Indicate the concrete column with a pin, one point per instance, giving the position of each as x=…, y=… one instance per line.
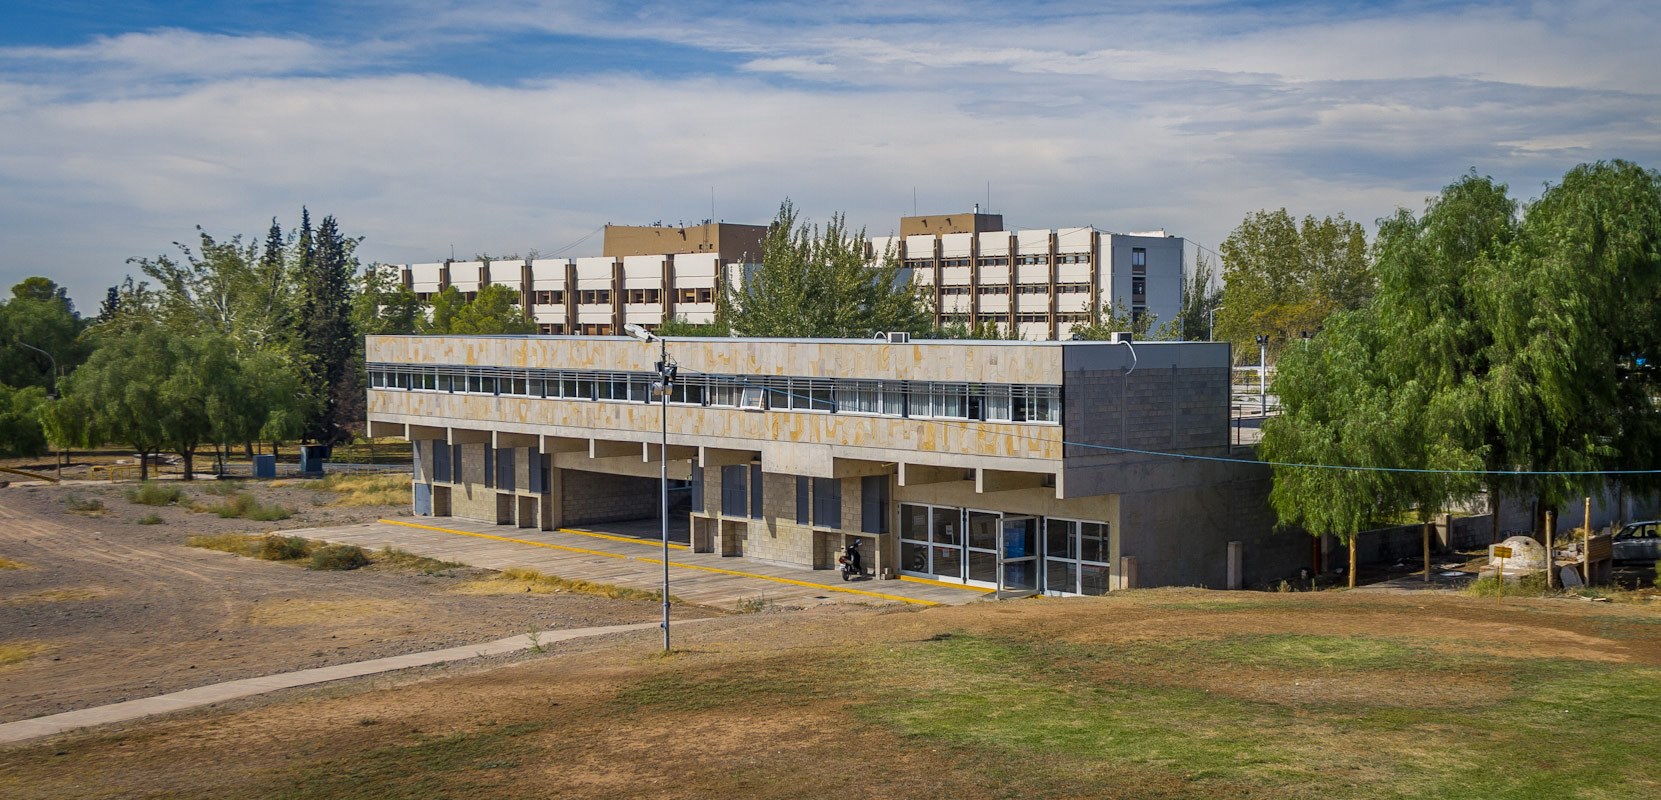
x=1236, y=566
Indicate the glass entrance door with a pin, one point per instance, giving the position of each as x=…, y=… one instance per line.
x=1018, y=570
x=982, y=547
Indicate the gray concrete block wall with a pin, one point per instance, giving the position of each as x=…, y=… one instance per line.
x=594, y=497
x=777, y=537
x=473, y=500
x=423, y=460
x=1179, y=535
x=1164, y=409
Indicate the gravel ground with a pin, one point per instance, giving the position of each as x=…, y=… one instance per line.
x=105, y=609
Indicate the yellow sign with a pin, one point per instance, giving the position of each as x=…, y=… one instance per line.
x=1501, y=551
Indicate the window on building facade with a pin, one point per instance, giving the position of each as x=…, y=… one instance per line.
x=1138, y=286
x=873, y=503
x=703, y=294
x=548, y=297
x=804, y=505
x=643, y=296
x=594, y=297
x=1072, y=258
x=995, y=289
x=1138, y=260
x=735, y=495
x=827, y=503
x=993, y=261
x=919, y=399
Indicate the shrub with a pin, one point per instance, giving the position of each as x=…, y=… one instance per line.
x=239, y=543
x=150, y=493
x=273, y=513
x=83, y=505
x=242, y=505
x=1531, y=585
x=338, y=557
x=150, y=519
x=284, y=548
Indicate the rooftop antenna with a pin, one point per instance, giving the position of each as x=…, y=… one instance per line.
x=914, y=201
x=988, y=197
x=712, y=202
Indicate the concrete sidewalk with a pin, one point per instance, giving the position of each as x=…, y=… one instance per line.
x=595, y=555
x=24, y=730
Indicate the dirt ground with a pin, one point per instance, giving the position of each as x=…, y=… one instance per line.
x=828, y=703
x=108, y=609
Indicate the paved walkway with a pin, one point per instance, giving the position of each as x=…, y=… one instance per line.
x=23, y=730
x=593, y=555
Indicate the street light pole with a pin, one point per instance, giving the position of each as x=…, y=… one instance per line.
x=52, y=394
x=665, y=381
x=664, y=377
x=1263, y=374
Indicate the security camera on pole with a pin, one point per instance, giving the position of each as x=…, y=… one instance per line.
x=665, y=382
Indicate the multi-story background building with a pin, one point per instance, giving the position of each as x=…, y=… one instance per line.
x=1039, y=283
x=647, y=274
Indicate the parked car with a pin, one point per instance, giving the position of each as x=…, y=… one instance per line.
x=1640, y=541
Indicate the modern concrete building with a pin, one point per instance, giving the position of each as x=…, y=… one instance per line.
x=993, y=463
x=1042, y=282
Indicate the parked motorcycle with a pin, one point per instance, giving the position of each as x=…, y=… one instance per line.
x=850, y=561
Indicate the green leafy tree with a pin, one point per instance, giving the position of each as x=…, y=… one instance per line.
x=116, y=396
x=1200, y=299
x=494, y=310
x=38, y=319
x=1118, y=319
x=1284, y=279
x=325, y=337
x=383, y=305
x=815, y=282
x=680, y=327
x=21, y=433
x=1494, y=344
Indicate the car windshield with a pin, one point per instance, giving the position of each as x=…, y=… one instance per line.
x=1639, y=530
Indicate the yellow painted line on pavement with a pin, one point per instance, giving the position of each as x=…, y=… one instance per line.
x=808, y=584
x=946, y=584
x=628, y=539
x=492, y=537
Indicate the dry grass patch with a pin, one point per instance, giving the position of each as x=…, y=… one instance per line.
x=394, y=558
x=512, y=581
x=55, y=596
x=291, y=612
x=18, y=652
x=6, y=563
x=367, y=490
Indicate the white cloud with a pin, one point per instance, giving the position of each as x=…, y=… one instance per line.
x=1128, y=121
x=175, y=53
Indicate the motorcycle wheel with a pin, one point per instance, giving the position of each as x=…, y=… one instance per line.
x=845, y=576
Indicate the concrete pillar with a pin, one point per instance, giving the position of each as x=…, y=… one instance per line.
x=1236, y=566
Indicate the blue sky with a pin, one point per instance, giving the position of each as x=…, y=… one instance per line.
x=503, y=126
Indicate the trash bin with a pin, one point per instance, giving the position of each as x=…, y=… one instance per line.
x=312, y=457
x=265, y=466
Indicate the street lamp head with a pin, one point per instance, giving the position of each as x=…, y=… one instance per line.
x=639, y=332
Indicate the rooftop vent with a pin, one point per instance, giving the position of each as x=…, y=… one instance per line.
x=895, y=337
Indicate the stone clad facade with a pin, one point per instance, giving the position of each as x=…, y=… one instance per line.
x=993, y=463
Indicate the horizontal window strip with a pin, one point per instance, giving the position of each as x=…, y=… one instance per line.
x=953, y=400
